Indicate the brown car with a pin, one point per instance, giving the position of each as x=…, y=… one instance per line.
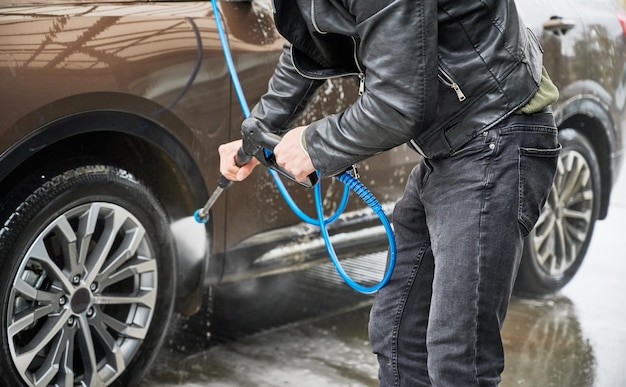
x=110, y=117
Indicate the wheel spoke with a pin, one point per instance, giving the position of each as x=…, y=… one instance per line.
x=543, y=256
x=113, y=351
x=145, y=298
x=87, y=349
x=148, y=266
x=86, y=227
x=575, y=235
x=39, y=253
x=52, y=366
x=544, y=228
x=123, y=328
x=68, y=243
x=67, y=362
x=47, y=303
x=98, y=257
x=573, y=214
x=583, y=197
x=560, y=246
x=29, y=318
x=126, y=251
x=31, y=293
x=576, y=176
x=25, y=355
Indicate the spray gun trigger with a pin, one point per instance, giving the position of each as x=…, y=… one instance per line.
x=259, y=141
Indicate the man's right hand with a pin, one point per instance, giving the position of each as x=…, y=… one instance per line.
x=228, y=167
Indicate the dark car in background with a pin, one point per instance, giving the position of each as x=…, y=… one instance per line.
x=583, y=44
x=110, y=118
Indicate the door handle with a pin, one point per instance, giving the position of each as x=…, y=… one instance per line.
x=558, y=25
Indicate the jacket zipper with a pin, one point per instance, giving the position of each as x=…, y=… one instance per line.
x=361, y=74
x=314, y=21
x=417, y=148
x=447, y=80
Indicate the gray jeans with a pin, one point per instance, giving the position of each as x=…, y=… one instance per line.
x=459, y=228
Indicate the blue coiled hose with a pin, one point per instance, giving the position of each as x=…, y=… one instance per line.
x=350, y=183
x=355, y=185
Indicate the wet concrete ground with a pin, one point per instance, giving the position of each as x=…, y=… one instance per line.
x=310, y=330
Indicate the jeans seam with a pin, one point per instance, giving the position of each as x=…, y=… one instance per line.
x=486, y=187
x=400, y=312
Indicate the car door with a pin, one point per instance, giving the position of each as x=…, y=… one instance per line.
x=561, y=30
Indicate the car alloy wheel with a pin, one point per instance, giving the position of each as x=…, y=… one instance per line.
x=564, y=225
x=89, y=288
x=557, y=245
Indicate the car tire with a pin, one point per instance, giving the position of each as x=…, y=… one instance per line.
x=556, y=247
x=88, y=278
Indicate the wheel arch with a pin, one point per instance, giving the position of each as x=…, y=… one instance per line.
x=137, y=141
x=591, y=118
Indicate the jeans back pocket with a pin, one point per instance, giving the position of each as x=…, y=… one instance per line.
x=537, y=168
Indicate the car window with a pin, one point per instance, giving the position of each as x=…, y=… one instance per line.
x=559, y=27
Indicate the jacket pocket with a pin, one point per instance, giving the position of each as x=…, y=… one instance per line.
x=445, y=78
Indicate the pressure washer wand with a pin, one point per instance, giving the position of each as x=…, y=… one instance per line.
x=202, y=215
x=259, y=142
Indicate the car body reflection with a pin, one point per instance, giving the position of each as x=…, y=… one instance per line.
x=545, y=346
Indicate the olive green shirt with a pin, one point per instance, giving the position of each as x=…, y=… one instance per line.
x=546, y=95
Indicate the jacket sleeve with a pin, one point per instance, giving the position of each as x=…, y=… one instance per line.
x=398, y=49
x=287, y=95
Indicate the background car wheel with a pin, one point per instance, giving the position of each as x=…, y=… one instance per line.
x=88, y=278
x=557, y=245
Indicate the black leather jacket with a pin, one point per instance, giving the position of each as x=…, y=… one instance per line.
x=434, y=74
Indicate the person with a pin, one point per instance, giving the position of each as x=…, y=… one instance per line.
x=462, y=82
